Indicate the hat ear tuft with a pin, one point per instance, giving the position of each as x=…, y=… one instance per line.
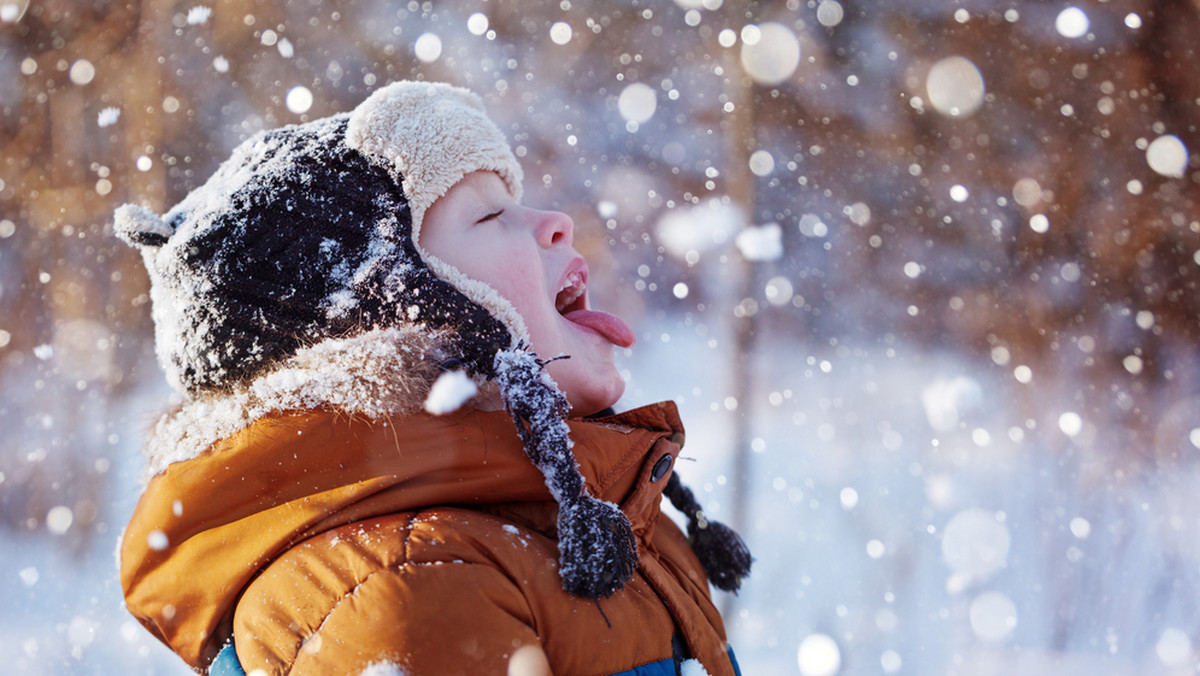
x=139, y=227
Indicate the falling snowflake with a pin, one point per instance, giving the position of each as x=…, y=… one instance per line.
x=198, y=15
x=108, y=116
x=762, y=243
x=450, y=392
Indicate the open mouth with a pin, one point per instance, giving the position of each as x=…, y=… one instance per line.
x=571, y=301
x=573, y=294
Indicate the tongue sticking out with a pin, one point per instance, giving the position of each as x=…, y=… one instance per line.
x=612, y=327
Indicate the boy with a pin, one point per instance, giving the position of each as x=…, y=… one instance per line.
x=374, y=339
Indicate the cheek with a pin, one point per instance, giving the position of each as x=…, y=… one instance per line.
x=520, y=283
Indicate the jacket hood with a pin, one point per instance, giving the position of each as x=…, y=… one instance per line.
x=327, y=439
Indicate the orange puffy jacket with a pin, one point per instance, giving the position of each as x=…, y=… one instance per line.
x=326, y=543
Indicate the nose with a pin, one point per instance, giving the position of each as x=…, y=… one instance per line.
x=553, y=228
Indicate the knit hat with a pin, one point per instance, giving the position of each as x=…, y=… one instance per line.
x=311, y=231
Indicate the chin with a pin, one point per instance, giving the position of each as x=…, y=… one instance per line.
x=592, y=395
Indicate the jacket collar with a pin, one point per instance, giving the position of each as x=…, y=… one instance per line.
x=377, y=374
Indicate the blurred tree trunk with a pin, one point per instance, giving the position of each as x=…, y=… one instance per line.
x=740, y=137
x=67, y=175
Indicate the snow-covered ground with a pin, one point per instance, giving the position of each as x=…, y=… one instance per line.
x=63, y=610
x=921, y=513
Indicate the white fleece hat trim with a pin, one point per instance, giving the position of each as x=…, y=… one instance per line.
x=433, y=134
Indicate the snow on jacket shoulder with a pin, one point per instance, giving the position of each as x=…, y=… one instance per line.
x=324, y=541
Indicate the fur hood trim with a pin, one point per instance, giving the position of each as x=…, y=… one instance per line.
x=431, y=135
x=377, y=374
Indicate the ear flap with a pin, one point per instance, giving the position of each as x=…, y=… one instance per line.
x=139, y=227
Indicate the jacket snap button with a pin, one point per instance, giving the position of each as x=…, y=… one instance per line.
x=660, y=468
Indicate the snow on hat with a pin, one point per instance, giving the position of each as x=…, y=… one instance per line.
x=311, y=231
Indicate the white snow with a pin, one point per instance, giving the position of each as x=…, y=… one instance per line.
x=762, y=163
x=449, y=392
x=830, y=13
x=59, y=519
x=108, y=117
x=691, y=231
x=637, y=103
x=428, y=47
x=955, y=86
x=29, y=576
x=818, y=655
x=1168, y=156
x=383, y=669
x=975, y=543
x=1070, y=423
x=849, y=498
x=81, y=631
x=198, y=15
x=878, y=454
x=82, y=72
x=1039, y=223
x=340, y=303
x=1072, y=22
x=770, y=52
x=779, y=291
x=890, y=661
x=560, y=32
x=1027, y=192
x=1174, y=648
x=993, y=616
x=11, y=12
x=157, y=540
x=299, y=99
x=811, y=225
x=761, y=243
x=477, y=23
x=1080, y=527
x=947, y=401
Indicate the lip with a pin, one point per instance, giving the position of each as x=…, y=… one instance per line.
x=577, y=265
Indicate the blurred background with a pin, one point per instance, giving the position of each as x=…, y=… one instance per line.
x=921, y=274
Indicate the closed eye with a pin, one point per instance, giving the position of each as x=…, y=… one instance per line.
x=489, y=217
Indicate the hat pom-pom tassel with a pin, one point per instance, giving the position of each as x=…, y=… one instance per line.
x=597, y=548
x=722, y=552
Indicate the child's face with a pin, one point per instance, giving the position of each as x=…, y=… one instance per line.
x=526, y=255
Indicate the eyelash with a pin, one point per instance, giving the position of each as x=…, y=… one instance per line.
x=490, y=216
